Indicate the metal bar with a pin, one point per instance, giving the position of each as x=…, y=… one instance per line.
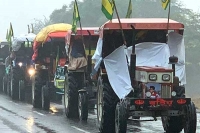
x=120, y=24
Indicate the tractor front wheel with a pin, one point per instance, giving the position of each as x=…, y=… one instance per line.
x=190, y=118
x=14, y=84
x=45, y=98
x=172, y=124
x=121, y=117
x=36, y=92
x=83, y=106
x=4, y=84
x=21, y=90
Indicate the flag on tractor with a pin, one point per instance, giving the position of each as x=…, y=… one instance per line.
x=129, y=11
x=7, y=36
x=76, y=18
x=165, y=4
x=11, y=34
x=107, y=8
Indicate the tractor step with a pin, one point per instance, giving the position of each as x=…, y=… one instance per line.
x=60, y=93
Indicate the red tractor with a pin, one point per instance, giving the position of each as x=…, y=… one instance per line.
x=142, y=73
x=50, y=59
x=80, y=90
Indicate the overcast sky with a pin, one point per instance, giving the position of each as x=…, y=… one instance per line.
x=22, y=12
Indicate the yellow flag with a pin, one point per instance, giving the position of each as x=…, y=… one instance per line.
x=11, y=31
x=165, y=3
x=107, y=8
x=129, y=11
x=7, y=36
x=76, y=18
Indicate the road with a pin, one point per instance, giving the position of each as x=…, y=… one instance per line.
x=19, y=117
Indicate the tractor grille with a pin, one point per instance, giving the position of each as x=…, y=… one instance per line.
x=165, y=91
x=60, y=83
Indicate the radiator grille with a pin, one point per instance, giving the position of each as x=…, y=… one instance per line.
x=165, y=91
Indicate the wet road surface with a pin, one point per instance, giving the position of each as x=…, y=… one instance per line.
x=19, y=117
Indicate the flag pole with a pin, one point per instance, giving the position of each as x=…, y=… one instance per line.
x=120, y=24
x=168, y=16
x=79, y=18
x=80, y=24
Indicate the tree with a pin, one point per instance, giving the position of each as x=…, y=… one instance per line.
x=39, y=24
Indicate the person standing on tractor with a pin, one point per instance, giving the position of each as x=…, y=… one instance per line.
x=8, y=60
x=77, y=58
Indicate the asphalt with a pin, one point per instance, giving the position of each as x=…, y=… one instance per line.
x=20, y=117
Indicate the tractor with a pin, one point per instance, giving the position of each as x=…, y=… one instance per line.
x=80, y=89
x=142, y=73
x=50, y=63
x=20, y=68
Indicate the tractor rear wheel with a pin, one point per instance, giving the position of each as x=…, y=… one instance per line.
x=70, y=96
x=106, y=104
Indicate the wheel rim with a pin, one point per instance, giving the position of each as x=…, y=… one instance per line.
x=79, y=106
x=66, y=92
x=99, y=101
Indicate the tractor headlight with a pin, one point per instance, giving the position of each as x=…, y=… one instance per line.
x=31, y=71
x=20, y=64
x=153, y=77
x=165, y=77
x=148, y=94
x=173, y=93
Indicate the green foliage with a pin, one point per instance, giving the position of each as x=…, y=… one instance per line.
x=39, y=24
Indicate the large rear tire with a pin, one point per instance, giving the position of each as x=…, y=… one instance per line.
x=106, y=104
x=83, y=106
x=45, y=95
x=71, y=96
x=190, y=118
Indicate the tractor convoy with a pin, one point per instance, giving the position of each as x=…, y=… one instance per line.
x=125, y=70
